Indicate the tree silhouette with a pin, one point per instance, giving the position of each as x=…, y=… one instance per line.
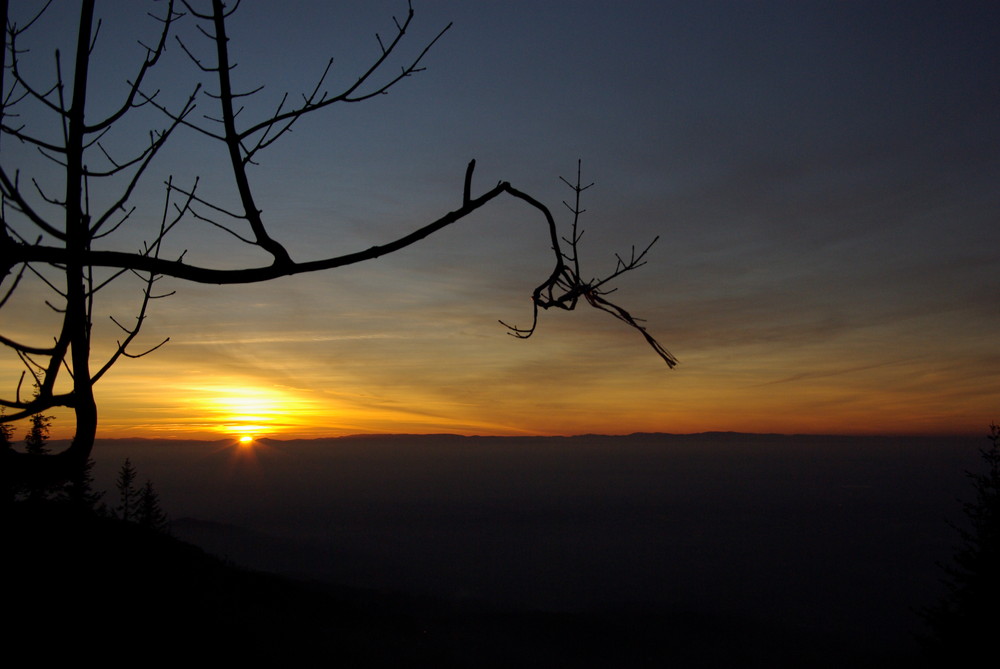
x=59, y=231
x=79, y=491
x=35, y=444
x=149, y=513
x=38, y=434
x=127, y=493
x=7, y=485
x=963, y=625
x=6, y=434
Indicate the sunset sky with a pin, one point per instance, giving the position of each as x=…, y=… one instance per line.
x=823, y=177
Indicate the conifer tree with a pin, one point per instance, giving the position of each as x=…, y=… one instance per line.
x=79, y=491
x=6, y=434
x=7, y=487
x=35, y=443
x=38, y=434
x=127, y=494
x=963, y=625
x=148, y=512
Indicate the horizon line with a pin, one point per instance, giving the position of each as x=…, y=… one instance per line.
x=404, y=435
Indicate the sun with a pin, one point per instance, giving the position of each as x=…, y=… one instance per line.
x=245, y=411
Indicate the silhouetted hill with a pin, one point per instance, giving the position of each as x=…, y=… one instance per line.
x=82, y=586
x=107, y=586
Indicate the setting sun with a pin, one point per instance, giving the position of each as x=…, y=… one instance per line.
x=246, y=411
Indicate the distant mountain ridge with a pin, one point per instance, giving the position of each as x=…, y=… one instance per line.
x=711, y=434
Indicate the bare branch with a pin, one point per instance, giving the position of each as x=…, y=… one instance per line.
x=561, y=290
x=311, y=103
x=181, y=270
x=152, y=56
x=146, y=158
x=66, y=252
x=232, y=141
x=41, y=276
x=147, y=295
x=564, y=287
x=32, y=91
x=195, y=59
x=11, y=191
x=19, y=134
x=597, y=301
x=24, y=348
x=13, y=286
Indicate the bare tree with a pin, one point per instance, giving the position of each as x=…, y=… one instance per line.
x=58, y=234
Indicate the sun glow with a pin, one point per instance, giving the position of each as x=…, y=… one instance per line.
x=247, y=412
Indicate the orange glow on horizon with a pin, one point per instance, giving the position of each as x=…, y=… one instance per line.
x=230, y=406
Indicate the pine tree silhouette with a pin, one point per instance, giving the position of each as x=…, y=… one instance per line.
x=79, y=491
x=7, y=487
x=963, y=625
x=6, y=435
x=127, y=494
x=35, y=443
x=148, y=512
x=38, y=434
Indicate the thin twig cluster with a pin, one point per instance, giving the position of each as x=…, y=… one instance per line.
x=564, y=287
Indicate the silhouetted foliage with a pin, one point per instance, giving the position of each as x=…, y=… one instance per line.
x=138, y=505
x=79, y=491
x=37, y=488
x=57, y=222
x=6, y=434
x=38, y=434
x=963, y=626
x=127, y=493
x=7, y=485
x=149, y=514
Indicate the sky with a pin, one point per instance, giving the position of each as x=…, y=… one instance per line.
x=822, y=177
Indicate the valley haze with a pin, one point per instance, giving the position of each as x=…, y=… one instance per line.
x=827, y=535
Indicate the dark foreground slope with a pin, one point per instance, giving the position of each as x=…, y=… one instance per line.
x=78, y=586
